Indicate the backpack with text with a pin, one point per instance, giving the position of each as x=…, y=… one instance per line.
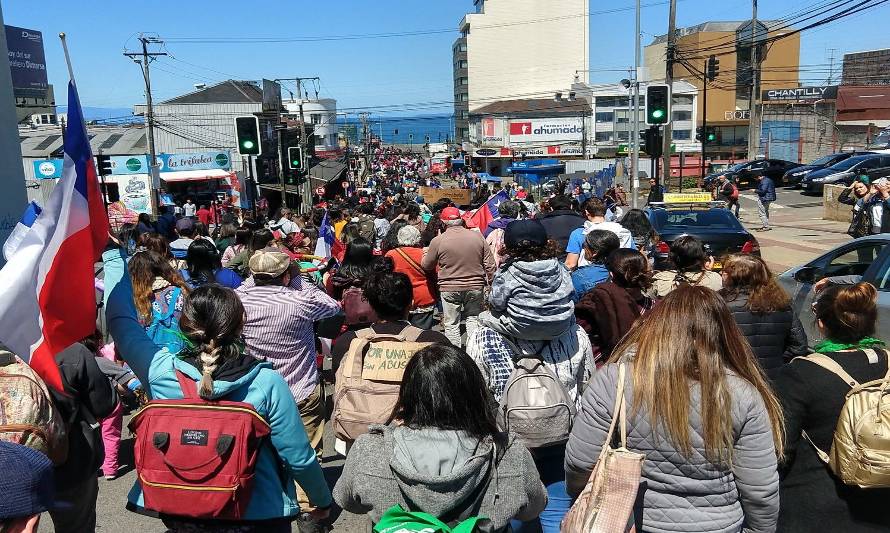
x=28, y=415
x=356, y=307
x=860, y=447
x=368, y=379
x=197, y=458
x=535, y=404
x=164, y=329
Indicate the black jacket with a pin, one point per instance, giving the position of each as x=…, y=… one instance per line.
x=812, y=498
x=656, y=194
x=89, y=398
x=559, y=225
x=776, y=337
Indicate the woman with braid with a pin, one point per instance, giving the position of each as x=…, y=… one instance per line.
x=214, y=357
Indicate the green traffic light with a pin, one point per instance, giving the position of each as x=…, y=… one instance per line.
x=295, y=162
x=658, y=113
x=247, y=145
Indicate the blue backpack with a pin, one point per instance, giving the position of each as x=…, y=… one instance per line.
x=164, y=329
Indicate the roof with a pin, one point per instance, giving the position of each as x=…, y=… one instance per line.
x=863, y=103
x=110, y=141
x=327, y=170
x=226, y=92
x=718, y=26
x=534, y=105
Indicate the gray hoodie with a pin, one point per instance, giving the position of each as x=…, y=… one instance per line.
x=440, y=472
x=531, y=300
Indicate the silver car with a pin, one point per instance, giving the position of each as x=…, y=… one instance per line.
x=868, y=257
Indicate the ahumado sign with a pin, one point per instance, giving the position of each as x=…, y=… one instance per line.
x=546, y=130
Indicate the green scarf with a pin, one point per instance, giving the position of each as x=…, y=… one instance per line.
x=830, y=346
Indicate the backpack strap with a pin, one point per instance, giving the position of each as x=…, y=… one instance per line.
x=410, y=261
x=412, y=333
x=188, y=387
x=832, y=366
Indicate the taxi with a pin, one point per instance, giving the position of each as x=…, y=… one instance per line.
x=698, y=215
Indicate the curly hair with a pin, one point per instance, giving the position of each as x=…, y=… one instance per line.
x=527, y=253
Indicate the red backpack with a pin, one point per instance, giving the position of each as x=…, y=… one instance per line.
x=196, y=458
x=735, y=192
x=356, y=307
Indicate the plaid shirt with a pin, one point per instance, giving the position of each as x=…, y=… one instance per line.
x=279, y=329
x=569, y=356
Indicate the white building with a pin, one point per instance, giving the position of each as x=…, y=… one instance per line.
x=322, y=114
x=517, y=49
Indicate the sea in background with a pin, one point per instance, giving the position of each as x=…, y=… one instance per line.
x=400, y=129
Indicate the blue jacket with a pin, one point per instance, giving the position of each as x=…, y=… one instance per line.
x=766, y=190
x=289, y=451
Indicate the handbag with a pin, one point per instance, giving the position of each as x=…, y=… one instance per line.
x=860, y=226
x=606, y=505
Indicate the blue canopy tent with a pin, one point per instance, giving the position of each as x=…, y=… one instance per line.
x=486, y=177
x=537, y=171
x=457, y=162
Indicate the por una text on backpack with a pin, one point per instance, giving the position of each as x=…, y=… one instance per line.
x=28, y=415
x=164, y=329
x=535, y=404
x=356, y=307
x=369, y=377
x=196, y=458
x=860, y=448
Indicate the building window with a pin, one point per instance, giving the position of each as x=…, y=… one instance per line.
x=681, y=135
x=603, y=136
x=612, y=101
x=315, y=119
x=463, y=81
x=681, y=115
x=622, y=135
x=682, y=99
x=461, y=64
x=605, y=117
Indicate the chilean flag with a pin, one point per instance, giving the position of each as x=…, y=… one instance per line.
x=328, y=245
x=47, y=295
x=486, y=212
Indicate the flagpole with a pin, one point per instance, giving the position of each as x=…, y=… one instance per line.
x=67, y=57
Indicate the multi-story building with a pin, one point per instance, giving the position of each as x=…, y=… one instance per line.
x=867, y=68
x=729, y=95
x=322, y=114
x=517, y=49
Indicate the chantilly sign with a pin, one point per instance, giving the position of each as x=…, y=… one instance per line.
x=801, y=94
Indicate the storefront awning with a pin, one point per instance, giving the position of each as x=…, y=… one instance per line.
x=196, y=175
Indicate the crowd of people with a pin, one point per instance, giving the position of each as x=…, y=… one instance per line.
x=473, y=373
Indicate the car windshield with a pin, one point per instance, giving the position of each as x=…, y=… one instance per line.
x=824, y=160
x=846, y=164
x=682, y=219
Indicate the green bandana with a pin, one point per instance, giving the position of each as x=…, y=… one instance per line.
x=831, y=346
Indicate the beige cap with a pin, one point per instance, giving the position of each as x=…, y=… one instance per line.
x=269, y=262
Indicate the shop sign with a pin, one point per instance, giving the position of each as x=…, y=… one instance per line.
x=740, y=114
x=485, y=152
x=554, y=129
x=47, y=169
x=801, y=94
x=195, y=161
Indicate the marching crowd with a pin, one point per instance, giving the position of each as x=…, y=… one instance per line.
x=494, y=376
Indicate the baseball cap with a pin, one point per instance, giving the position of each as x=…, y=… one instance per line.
x=450, y=213
x=269, y=262
x=525, y=231
x=27, y=481
x=185, y=224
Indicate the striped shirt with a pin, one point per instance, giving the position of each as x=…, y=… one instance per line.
x=279, y=329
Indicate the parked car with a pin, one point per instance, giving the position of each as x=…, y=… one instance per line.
x=745, y=174
x=843, y=173
x=719, y=230
x=792, y=177
x=868, y=257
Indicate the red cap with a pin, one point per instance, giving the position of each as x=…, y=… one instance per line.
x=450, y=213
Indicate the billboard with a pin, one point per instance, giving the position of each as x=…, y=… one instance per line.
x=195, y=161
x=801, y=94
x=546, y=130
x=27, y=63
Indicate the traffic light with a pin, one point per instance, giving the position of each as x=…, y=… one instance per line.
x=652, y=142
x=658, y=104
x=698, y=133
x=712, y=134
x=709, y=134
x=295, y=158
x=247, y=133
x=713, y=67
x=104, y=165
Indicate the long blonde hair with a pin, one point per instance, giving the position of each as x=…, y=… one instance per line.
x=690, y=336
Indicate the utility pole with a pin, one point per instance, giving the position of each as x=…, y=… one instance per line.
x=669, y=80
x=305, y=189
x=704, y=122
x=366, y=140
x=635, y=135
x=753, y=121
x=147, y=58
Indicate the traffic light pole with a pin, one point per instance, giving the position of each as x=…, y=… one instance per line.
x=668, y=79
x=635, y=137
x=704, y=126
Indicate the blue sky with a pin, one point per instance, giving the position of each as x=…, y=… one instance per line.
x=360, y=72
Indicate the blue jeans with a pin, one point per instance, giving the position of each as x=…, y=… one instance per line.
x=552, y=471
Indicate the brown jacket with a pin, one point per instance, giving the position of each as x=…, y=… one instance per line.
x=463, y=257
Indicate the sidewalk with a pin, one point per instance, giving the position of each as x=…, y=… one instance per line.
x=798, y=236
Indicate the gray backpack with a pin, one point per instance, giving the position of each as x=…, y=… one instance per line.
x=535, y=405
